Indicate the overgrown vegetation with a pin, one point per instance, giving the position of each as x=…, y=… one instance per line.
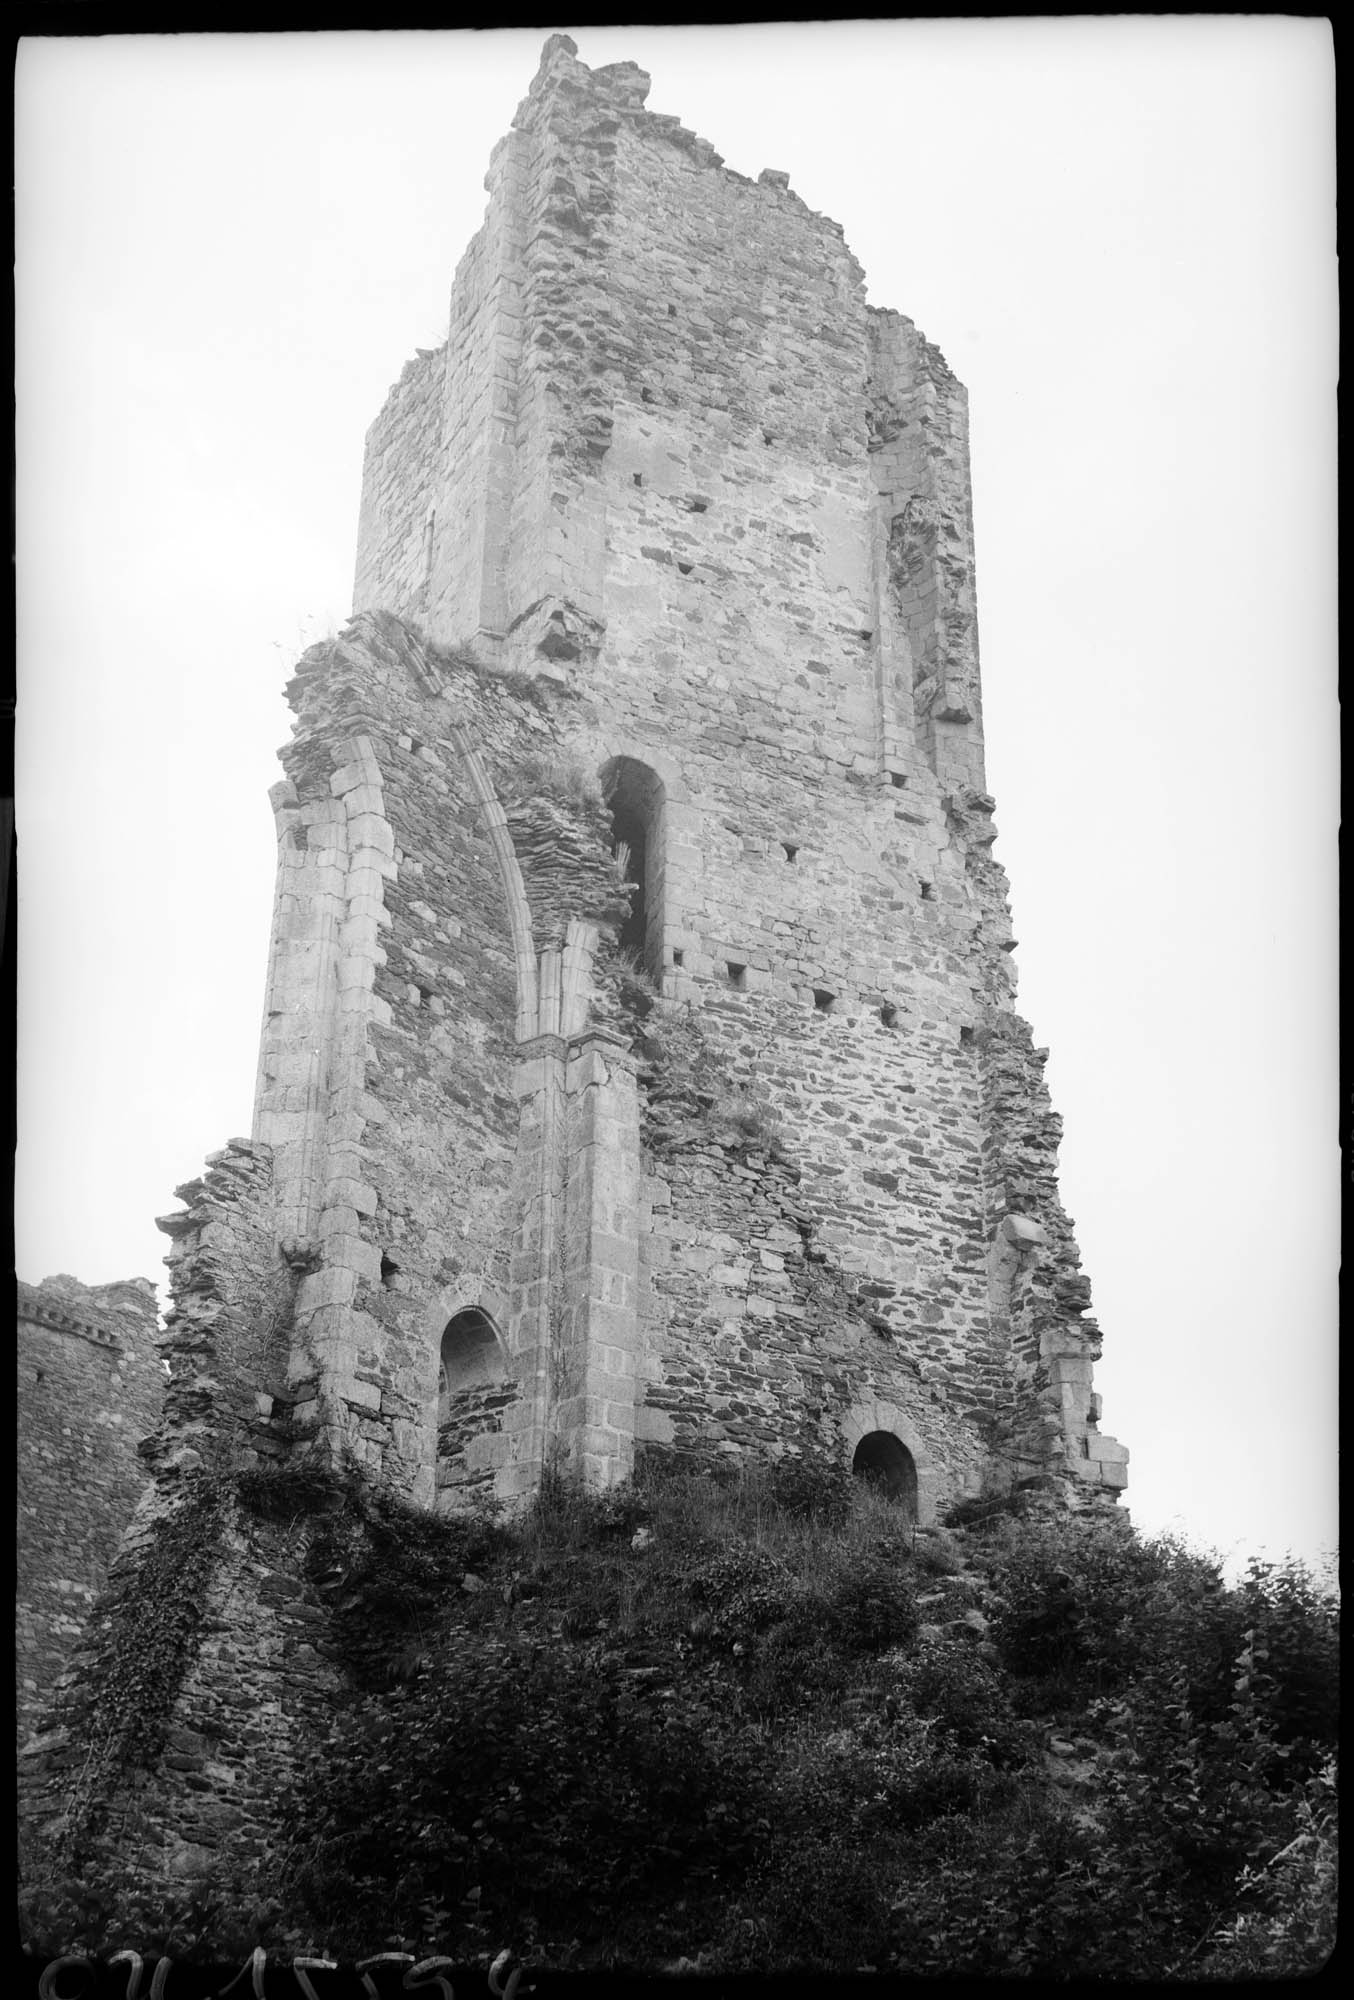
x=712, y=1721
x=558, y=775
x=147, y=1633
x=757, y=1722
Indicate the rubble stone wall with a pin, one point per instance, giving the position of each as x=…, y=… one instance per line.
x=740, y=534
x=90, y=1383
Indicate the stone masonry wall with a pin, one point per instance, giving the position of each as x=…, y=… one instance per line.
x=171, y=1731
x=740, y=534
x=437, y=853
x=90, y=1386
x=396, y=532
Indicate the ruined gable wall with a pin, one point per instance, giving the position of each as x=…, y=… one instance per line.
x=90, y=1386
x=407, y=958
x=412, y=1129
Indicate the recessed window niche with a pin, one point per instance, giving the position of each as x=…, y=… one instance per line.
x=635, y=796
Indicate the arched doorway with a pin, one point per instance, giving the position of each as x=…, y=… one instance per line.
x=471, y=1357
x=475, y=1388
x=885, y=1462
x=635, y=796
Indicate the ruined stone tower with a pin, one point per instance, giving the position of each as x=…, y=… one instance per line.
x=674, y=514
x=639, y=1071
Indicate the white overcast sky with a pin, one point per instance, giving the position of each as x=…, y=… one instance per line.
x=1120, y=231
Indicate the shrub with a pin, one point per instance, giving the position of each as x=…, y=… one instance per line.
x=796, y=1665
x=822, y=1904
x=1084, y=1601
x=535, y=1775
x=872, y=1604
x=739, y=1592
x=1296, y=1648
x=946, y=1682
x=812, y=1489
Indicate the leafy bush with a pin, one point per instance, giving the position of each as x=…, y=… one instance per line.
x=967, y=1701
x=812, y=1489
x=517, y=1776
x=796, y=1665
x=725, y=1740
x=872, y=1603
x=821, y=1903
x=740, y=1591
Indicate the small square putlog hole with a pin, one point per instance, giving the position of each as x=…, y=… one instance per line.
x=738, y=974
x=888, y=1014
x=823, y=1000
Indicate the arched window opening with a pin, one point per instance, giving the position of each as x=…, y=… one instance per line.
x=471, y=1358
x=635, y=796
x=885, y=1461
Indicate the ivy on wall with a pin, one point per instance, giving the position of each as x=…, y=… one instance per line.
x=147, y=1635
